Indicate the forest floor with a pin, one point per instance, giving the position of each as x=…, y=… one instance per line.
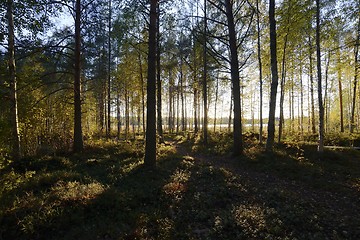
x=195, y=192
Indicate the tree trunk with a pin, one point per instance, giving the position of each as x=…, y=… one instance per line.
x=109, y=76
x=142, y=93
x=177, y=109
x=356, y=71
x=313, y=128
x=318, y=56
x=14, y=119
x=158, y=78
x=326, y=102
x=171, y=108
x=127, y=113
x=292, y=103
x=301, y=98
x=216, y=100
x=150, y=147
x=196, y=128
x=78, y=138
x=235, y=80
x=274, y=80
x=282, y=88
x=183, y=125
x=118, y=116
x=339, y=75
x=205, y=124
x=230, y=111
x=260, y=72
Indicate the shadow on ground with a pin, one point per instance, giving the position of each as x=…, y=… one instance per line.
x=106, y=193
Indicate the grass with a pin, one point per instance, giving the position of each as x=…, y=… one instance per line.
x=196, y=192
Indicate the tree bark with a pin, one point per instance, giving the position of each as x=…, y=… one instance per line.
x=326, y=101
x=356, y=72
x=235, y=80
x=196, y=128
x=282, y=87
x=14, y=119
x=109, y=76
x=150, y=147
x=301, y=97
x=318, y=56
x=205, y=124
x=171, y=108
x=127, y=112
x=118, y=115
x=78, y=137
x=183, y=123
x=142, y=92
x=313, y=128
x=230, y=110
x=260, y=72
x=158, y=78
x=216, y=100
x=274, y=80
x=339, y=74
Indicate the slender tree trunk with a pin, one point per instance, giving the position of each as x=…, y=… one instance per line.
x=171, y=108
x=274, y=80
x=301, y=98
x=308, y=106
x=195, y=86
x=78, y=138
x=326, y=102
x=318, y=56
x=282, y=89
x=14, y=119
x=127, y=113
x=183, y=125
x=158, y=78
x=292, y=104
x=150, y=147
x=230, y=111
x=101, y=111
x=205, y=124
x=283, y=77
x=196, y=128
x=339, y=74
x=109, y=76
x=252, y=101
x=177, y=109
x=138, y=119
x=313, y=128
x=260, y=72
x=356, y=72
x=118, y=116
x=216, y=100
x=142, y=92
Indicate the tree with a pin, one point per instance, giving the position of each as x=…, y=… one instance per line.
x=150, y=147
x=260, y=71
x=235, y=79
x=16, y=150
x=204, y=83
x=158, y=78
x=356, y=72
x=274, y=79
x=78, y=137
x=108, y=128
x=318, y=57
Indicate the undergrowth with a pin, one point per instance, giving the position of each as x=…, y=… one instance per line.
x=196, y=192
